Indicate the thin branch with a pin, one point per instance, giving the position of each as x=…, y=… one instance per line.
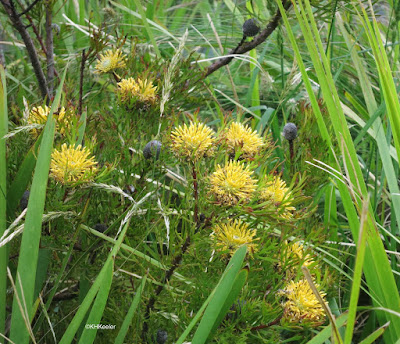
x=20, y=27
x=28, y=8
x=2, y=58
x=84, y=57
x=49, y=49
x=244, y=47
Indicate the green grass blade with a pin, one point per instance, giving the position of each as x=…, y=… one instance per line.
x=377, y=269
x=22, y=178
x=326, y=333
x=89, y=335
x=355, y=287
x=375, y=335
x=3, y=196
x=238, y=284
x=28, y=254
x=152, y=23
x=377, y=125
x=73, y=327
x=222, y=292
x=197, y=316
x=131, y=312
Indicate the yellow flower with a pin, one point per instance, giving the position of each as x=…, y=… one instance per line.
x=244, y=139
x=72, y=165
x=296, y=251
x=230, y=236
x=147, y=91
x=130, y=90
x=110, y=60
x=193, y=141
x=127, y=88
x=302, y=307
x=38, y=115
x=292, y=258
x=276, y=192
x=232, y=183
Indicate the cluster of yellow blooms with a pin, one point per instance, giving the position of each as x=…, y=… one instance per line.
x=110, y=61
x=193, y=142
x=39, y=115
x=302, y=307
x=233, y=234
x=131, y=90
x=72, y=165
x=276, y=192
x=128, y=90
x=243, y=139
x=69, y=165
x=233, y=184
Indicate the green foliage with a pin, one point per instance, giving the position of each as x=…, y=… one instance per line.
x=153, y=243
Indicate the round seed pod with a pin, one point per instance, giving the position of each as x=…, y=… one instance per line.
x=23, y=203
x=151, y=149
x=162, y=337
x=100, y=227
x=290, y=131
x=250, y=28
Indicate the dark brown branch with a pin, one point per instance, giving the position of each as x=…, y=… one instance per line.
x=49, y=49
x=20, y=27
x=272, y=323
x=247, y=46
x=2, y=58
x=84, y=57
x=195, y=196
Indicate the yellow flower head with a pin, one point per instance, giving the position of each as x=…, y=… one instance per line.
x=295, y=251
x=147, y=91
x=39, y=114
x=72, y=165
x=110, y=60
x=131, y=90
x=232, y=183
x=230, y=236
x=276, y=192
x=193, y=141
x=302, y=307
x=244, y=139
x=292, y=258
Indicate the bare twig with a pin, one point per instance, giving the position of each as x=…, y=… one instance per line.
x=195, y=195
x=2, y=58
x=84, y=57
x=244, y=47
x=272, y=323
x=20, y=27
x=49, y=49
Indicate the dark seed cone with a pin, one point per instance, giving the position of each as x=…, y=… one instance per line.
x=250, y=28
x=152, y=149
x=290, y=131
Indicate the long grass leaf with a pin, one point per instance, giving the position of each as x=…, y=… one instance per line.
x=96, y=313
x=377, y=269
x=131, y=312
x=3, y=196
x=222, y=292
x=28, y=254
